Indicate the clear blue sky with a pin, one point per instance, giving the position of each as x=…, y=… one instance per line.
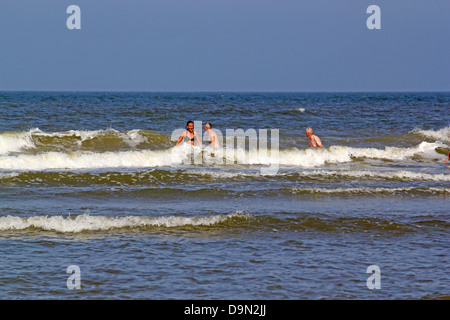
x=225, y=45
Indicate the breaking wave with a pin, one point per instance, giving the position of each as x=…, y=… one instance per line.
x=86, y=222
x=306, y=158
x=72, y=140
x=439, y=135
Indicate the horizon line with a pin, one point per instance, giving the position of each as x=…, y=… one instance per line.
x=234, y=91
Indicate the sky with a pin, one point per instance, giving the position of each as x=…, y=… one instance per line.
x=225, y=45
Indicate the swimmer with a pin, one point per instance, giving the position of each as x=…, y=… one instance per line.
x=189, y=135
x=447, y=158
x=314, y=140
x=213, y=140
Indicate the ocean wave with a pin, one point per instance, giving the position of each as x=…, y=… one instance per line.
x=366, y=190
x=214, y=192
x=92, y=160
x=439, y=135
x=181, y=155
x=401, y=175
x=15, y=142
x=395, y=153
x=96, y=140
x=163, y=177
x=86, y=222
x=316, y=157
x=283, y=222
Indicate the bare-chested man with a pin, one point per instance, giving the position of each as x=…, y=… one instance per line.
x=314, y=140
x=189, y=134
x=213, y=140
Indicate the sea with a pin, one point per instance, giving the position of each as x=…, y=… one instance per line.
x=98, y=202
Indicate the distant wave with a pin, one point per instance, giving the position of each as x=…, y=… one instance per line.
x=86, y=222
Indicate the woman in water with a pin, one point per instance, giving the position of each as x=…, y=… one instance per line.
x=189, y=134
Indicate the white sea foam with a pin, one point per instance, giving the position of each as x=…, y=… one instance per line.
x=88, y=160
x=87, y=222
x=132, y=137
x=394, y=153
x=401, y=175
x=8, y=175
x=340, y=154
x=15, y=142
x=364, y=190
x=306, y=158
x=18, y=141
x=301, y=109
x=439, y=135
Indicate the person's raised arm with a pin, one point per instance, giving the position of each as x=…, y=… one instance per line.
x=180, y=138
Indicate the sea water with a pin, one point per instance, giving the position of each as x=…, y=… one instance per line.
x=94, y=179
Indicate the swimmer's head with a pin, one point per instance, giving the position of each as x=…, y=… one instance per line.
x=309, y=132
x=208, y=125
x=190, y=125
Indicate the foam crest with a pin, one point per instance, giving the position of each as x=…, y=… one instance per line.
x=316, y=157
x=306, y=158
x=76, y=139
x=132, y=138
x=392, y=153
x=91, y=160
x=15, y=142
x=87, y=222
x=289, y=157
x=441, y=134
x=363, y=190
x=399, y=175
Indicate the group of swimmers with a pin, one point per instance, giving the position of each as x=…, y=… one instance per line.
x=189, y=136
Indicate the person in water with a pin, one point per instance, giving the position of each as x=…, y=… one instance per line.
x=314, y=141
x=447, y=158
x=189, y=135
x=213, y=139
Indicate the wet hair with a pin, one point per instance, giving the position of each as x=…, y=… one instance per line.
x=208, y=124
x=189, y=122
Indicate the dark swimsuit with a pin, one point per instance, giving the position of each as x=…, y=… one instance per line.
x=186, y=138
